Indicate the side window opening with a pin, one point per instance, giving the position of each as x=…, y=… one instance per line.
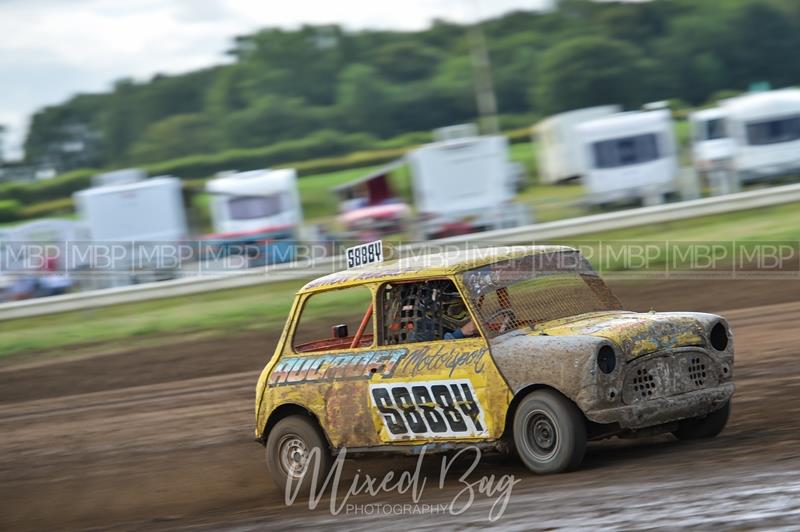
x=335, y=320
x=421, y=311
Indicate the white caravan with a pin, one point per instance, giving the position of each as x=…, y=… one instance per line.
x=256, y=202
x=150, y=210
x=135, y=228
x=558, y=146
x=713, y=151
x=464, y=185
x=766, y=129
x=628, y=156
x=712, y=147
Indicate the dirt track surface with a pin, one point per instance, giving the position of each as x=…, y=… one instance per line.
x=162, y=438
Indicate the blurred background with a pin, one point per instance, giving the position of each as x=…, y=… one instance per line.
x=451, y=118
x=172, y=171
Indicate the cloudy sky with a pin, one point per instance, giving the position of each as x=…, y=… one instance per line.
x=51, y=49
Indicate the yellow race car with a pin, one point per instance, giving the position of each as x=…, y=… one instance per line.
x=519, y=349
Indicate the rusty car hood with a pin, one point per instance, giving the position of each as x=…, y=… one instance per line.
x=635, y=333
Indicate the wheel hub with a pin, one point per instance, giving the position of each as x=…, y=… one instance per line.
x=542, y=435
x=293, y=453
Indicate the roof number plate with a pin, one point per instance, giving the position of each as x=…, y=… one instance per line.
x=363, y=254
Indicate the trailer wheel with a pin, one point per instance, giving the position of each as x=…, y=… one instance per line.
x=549, y=433
x=704, y=427
x=295, y=447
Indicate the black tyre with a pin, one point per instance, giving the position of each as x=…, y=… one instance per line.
x=291, y=454
x=704, y=427
x=549, y=433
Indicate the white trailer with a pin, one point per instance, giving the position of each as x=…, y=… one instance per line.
x=628, y=156
x=150, y=210
x=257, y=201
x=558, y=146
x=713, y=150
x=766, y=129
x=258, y=210
x=711, y=144
x=135, y=229
x=464, y=185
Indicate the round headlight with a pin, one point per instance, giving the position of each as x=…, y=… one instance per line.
x=718, y=337
x=606, y=359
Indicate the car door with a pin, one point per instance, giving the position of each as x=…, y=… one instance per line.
x=444, y=387
x=328, y=360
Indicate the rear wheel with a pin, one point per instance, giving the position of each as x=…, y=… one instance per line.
x=549, y=433
x=295, y=449
x=704, y=427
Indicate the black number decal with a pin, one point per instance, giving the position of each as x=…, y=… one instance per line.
x=384, y=404
x=437, y=408
x=423, y=399
x=468, y=405
x=445, y=402
x=403, y=400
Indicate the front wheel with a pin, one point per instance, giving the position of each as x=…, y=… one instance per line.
x=704, y=427
x=295, y=450
x=549, y=433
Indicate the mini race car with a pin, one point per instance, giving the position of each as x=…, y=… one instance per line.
x=519, y=349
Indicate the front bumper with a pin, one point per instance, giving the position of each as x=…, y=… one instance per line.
x=662, y=410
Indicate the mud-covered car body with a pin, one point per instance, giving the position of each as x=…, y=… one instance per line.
x=544, y=319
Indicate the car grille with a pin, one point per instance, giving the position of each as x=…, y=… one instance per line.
x=671, y=373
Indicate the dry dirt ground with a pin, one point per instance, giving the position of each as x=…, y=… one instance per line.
x=162, y=438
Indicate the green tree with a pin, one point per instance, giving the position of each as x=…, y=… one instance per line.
x=764, y=43
x=175, y=137
x=693, y=59
x=405, y=61
x=286, y=84
x=589, y=71
x=363, y=99
x=269, y=120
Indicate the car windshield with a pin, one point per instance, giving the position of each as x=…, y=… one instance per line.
x=536, y=288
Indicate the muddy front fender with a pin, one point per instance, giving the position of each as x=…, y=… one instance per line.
x=565, y=363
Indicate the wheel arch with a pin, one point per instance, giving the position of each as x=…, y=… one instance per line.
x=508, y=429
x=291, y=409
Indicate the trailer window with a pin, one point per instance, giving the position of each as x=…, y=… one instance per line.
x=773, y=131
x=626, y=151
x=250, y=207
x=715, y=129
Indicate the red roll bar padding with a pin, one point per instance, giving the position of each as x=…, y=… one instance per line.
x=362, y=327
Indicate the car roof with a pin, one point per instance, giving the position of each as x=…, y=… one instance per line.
x=426, y=265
